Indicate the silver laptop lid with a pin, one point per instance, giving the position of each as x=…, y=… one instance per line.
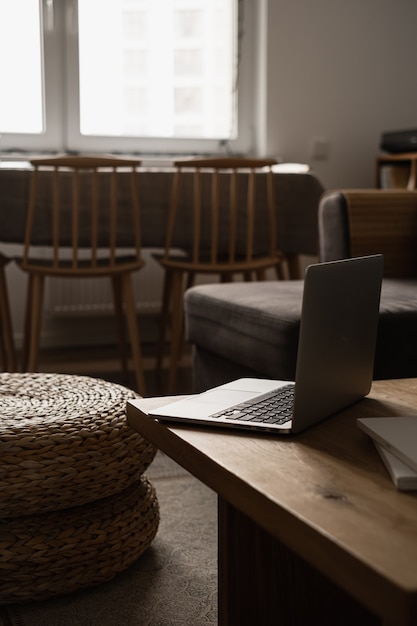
x=338, y=333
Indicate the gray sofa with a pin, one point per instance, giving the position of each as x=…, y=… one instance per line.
x=251, y=329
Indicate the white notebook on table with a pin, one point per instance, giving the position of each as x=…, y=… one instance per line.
x=403, y=476
x=396, y=441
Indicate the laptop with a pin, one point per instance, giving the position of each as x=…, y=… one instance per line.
x=335, y=359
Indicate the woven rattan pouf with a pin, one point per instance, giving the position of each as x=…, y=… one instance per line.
x=75, y=505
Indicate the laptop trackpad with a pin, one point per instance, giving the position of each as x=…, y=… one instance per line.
x=205, y=404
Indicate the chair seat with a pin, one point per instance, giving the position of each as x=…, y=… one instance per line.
x=102, y=267
x=221, y=265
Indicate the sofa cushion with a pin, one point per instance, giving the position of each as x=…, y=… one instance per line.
x=256, y=326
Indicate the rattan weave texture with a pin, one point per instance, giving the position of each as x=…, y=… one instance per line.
x=58, y=552
x=64, y=441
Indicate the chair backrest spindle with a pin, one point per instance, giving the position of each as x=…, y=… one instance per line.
x=75, y=218
x=197, y=216
x=30, y=214
x=172, y=215
x=136, y=212
x=215, y=217
x=55, y=216
x=113, y=215
x=271, y=211
x=94, y=217
x=233, y=194
x=250, y=216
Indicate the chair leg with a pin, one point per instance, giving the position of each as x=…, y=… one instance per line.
x=164, y=317
x=293, y=263
x=190, y=280
x=26, y=331
x=33, y=323
x=130, y=311
x=177, y=326
x=171, y=293
x=6, y=323
x=281, y=266
x=121, y=326
x=189, y=283
x=3, y=346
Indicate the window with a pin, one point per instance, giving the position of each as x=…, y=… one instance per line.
x=21, y=104
x=126, y=80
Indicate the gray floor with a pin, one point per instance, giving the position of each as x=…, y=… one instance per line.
x=173, y=583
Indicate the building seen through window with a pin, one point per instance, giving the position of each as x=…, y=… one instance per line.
x=149, y=69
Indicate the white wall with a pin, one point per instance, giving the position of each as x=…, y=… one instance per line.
x=340, y=70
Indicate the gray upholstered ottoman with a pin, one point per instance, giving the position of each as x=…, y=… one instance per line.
x=75, y=505
x=243, y=329
x=251, y=329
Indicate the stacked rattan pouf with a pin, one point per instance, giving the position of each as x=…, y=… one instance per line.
x=75, y=505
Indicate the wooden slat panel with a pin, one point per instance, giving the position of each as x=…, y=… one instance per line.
x=387, y=224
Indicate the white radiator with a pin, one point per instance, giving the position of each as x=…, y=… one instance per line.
x=83, y=296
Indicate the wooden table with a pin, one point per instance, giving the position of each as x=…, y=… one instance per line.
x=311, y=527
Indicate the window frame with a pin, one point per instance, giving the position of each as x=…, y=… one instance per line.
x=61, y=96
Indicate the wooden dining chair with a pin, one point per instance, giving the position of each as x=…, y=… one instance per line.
x=227, y=232
x=78, y=209
x=6, y=326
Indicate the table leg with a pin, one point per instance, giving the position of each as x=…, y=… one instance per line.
x=263, y=582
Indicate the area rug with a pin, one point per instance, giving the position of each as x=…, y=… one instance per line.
x=173, y=584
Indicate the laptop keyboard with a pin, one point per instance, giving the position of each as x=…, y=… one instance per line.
x=274, y=408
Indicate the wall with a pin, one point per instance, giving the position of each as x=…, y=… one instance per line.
x=339, y=71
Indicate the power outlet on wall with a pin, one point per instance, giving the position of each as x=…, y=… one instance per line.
x=319, y=149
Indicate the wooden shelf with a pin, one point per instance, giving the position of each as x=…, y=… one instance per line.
x=399, y=162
